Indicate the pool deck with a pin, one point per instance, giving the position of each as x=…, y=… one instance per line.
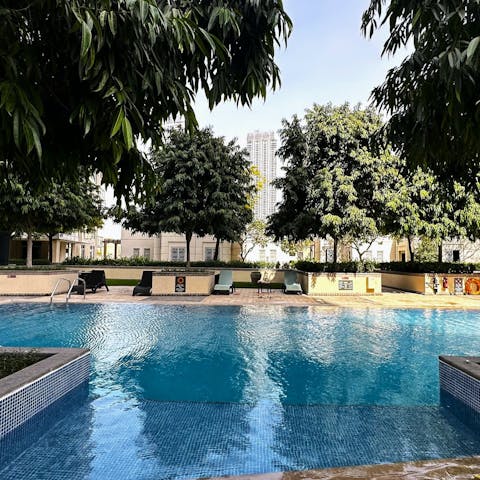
x=249, y=296
x=444, y=469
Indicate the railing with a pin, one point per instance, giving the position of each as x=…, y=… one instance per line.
x=73, y=284
x=56, y=286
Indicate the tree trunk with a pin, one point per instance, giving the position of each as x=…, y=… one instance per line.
x=440, y=252
x=50, y=247
x=410, y=249
x=29, y=250
x=188, y=237
x=217, y=248
x=335, y=249
x=4, y=247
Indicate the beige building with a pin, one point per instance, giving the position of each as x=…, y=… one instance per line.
x=171, y=247
x=77, y=244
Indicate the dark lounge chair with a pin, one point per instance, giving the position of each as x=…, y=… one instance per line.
x=94, y=280
x=144, y=287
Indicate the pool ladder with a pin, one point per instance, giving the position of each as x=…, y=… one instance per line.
x=70, y=288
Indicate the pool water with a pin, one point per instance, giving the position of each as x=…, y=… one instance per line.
x=191, y=391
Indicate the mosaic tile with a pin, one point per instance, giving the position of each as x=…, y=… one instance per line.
x=170, y=440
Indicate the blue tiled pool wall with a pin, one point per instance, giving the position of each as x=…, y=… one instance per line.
x=28, y=433
x=460, y=394
x=460, y=385
x=21, y=405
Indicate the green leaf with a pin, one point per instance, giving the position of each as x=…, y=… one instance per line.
x=118, y=122
x=127, y=133
x=112, y=22
x=102, y=82
x=86, y=40
x=472, y=47
x=16, y=134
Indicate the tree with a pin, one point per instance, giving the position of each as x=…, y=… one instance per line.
x=253, y=235
x=422, y=206
x=82, y=80
x=65, y=207
x=203, y=187
x=335, y=184
x=433, y=97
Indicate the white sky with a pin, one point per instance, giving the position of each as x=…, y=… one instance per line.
x=326, y=60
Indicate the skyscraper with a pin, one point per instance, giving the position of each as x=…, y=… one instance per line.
x=262, y=147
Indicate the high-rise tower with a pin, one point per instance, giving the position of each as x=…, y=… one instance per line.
x=262, y=147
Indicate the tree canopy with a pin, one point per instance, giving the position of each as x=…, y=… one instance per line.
x=63, y=208
x=433, y=97
x=82, y=81
x=422, y=206
x=204, y=186
x=335, y=184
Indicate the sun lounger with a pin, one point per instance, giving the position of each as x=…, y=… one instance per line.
x=144, y=287
x=94, y=280
x=290, y=284
x=225, y=283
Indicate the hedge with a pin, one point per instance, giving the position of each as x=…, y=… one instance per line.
x=143, y=262
x=429, y=267
x=351, y=267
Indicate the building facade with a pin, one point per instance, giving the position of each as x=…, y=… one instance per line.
x=262, y=147
x=172, y=247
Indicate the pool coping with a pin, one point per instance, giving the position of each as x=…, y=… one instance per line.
x=58, y=357
x=461, y=468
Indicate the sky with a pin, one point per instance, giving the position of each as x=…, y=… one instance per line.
x=327, y=59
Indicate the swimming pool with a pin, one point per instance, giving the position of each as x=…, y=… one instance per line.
x=185, y=392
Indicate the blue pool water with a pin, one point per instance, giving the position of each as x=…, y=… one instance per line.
x=184, y=392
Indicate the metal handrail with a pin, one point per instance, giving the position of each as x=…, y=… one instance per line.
x=73, y=284
x=56, y=286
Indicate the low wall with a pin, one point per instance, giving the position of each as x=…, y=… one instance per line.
x=34, y=282
x=135, y=273
x=341, y=283
x=424, y=283
x=25, y=393
x=183, y=283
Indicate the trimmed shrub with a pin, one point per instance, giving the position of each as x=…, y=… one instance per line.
x=429, y=267
x=142, y=262
x=350, y=267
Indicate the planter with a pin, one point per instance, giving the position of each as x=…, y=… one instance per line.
x=27, y=392
x=339, y=283
x=183, y=282
x=432, y=283
x=35, y=282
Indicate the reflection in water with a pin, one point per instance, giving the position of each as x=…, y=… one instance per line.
x=184, y=392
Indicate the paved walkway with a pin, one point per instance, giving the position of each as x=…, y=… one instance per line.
x=249, y=296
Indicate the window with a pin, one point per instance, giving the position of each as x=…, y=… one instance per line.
x=92, y=251
x=367, y=255
x=177, y=254
x=209, y=253
x=136, y=252
x=273, y=255
x=261, y=255
x=403, y=257
x=82, y=251
x=146, y=253
x=456, y=255
x=379, y=255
